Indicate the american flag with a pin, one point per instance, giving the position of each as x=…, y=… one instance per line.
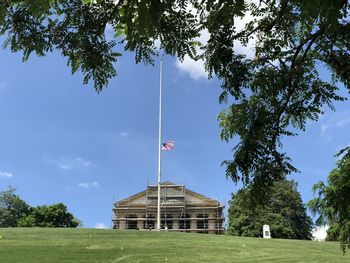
x=168, y=146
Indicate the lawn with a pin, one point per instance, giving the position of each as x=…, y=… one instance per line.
x=105, y=245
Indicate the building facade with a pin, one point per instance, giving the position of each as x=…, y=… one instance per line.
x=181, y=210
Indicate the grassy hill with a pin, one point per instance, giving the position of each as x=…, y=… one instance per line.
x=99, y=245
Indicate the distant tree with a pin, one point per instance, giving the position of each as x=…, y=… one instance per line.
x=283, y=211
x=12, y=208
x=14, y=212
x=49, y=216
x=332, y=205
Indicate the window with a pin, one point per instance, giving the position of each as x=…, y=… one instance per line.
x=184, y=222
x=149, y=222
x=202, y=221
x=131, y=222
x=167, y=221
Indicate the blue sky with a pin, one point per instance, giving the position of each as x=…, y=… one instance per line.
x=60, y=141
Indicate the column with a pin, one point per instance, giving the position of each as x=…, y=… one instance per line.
x=140, y=222
x=176, y=224
x=212, y=222
x=193, y=221
x=122, y=224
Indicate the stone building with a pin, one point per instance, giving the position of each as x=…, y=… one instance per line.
x=181, y=210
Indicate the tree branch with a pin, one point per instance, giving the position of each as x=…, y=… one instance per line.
x=311, y=37
x=284, y=4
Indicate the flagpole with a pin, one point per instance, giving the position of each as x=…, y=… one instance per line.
x=159, y=142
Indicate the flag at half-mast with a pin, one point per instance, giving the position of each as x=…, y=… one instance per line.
x=168, y=146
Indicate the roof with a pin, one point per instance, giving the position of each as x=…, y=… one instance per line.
x=167, y=183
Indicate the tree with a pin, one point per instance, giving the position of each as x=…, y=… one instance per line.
x=271, y=95
x=284, y=212
x=49, y=216
x=332, y=204
x=77, y=29
x=14, y=212
x=12, y=208
x=278, y=90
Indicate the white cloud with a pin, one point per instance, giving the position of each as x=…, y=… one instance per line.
x=123, y=134
x=82, y=162
x=157, y=43
x=64, y=166
x=88, y=185
x=343, y=122
x=249, y=48
x=100, y=225
x=68, y=164
x=334, y=123
x=324, y=129
x=196, y=69
x=320, y=233
x=6, y=175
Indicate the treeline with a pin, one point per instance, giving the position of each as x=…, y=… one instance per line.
x=286, y=214
x=283, y=211
x=15, y=212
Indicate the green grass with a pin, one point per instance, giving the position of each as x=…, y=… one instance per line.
x=98, y=245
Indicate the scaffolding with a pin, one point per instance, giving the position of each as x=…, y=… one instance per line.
x=178, y=211
x=173, y=205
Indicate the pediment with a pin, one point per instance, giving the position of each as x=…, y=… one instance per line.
x=137, y=199
x=196, y=198
x=171, y=191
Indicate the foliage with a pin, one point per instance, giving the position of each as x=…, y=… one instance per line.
x=14, y=212
x=278, y=90
x=270, y=96
x=77, y=29
x=332, y=203
x=12, y=208
x=284, y=212
x=49, y=216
